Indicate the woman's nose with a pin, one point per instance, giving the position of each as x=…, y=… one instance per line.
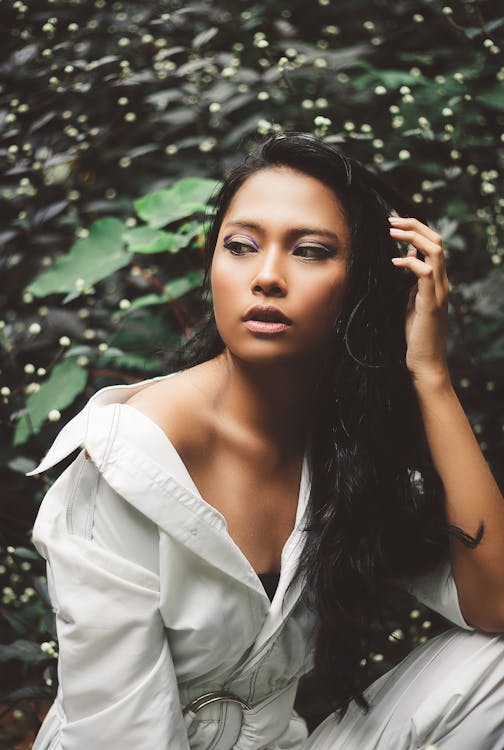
x=270, y=276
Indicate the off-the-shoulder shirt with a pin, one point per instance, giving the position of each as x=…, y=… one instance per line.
x=156, y=606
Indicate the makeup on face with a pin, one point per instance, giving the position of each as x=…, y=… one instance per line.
x=292, y=235
x=283, y=245
x=265, y=326
x=238, y=237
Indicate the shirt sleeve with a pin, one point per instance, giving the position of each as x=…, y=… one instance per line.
x=438, y=591
x=117, y=683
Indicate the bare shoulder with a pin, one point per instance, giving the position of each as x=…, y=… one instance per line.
x=182, y=406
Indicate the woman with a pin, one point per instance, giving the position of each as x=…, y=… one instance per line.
x=310, y=441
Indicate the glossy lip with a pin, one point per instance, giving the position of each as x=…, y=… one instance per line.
x=266, y=313
x=264, y=326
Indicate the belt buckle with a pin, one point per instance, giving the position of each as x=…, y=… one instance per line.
x=218, y=696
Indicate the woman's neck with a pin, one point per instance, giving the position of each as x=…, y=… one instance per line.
x=269, y=404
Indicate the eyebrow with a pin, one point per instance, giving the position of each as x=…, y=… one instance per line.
x=294, y=232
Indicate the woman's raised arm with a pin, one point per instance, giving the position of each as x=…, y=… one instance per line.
x=474, y=503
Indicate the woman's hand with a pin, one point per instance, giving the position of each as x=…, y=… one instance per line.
x=427, y=310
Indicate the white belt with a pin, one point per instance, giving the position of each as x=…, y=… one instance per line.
x=242, y=727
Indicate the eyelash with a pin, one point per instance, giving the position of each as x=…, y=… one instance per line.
x=322, y=251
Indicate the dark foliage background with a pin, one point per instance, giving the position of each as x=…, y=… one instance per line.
x=104, y=102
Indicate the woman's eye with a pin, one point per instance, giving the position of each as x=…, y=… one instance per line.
x=236, y=247
x=313, y=252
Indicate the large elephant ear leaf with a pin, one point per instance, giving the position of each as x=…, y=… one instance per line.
x=66, y=381
x=184, y=199
x=88, y=261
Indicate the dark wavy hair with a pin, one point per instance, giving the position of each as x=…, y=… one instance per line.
x=376, y=504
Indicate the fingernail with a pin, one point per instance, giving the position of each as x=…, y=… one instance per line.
x=395, y=260
x=394, y=219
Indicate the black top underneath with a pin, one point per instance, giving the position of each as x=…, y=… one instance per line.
x=269, y=582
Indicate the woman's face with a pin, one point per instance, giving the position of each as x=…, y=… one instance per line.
x=284, y=241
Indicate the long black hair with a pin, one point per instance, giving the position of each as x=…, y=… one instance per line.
x=376, y=502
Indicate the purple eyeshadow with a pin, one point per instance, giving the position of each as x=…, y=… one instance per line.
x=245, y=236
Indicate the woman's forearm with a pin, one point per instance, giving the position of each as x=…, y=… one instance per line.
x=473, y=503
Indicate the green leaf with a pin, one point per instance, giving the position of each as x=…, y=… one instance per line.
x=148, y=240
x=42, y=589
x=179, y=287
x=172, y=290
x=204, y=37
x=490, y=26
x=91, y=259
x=145, y=332
x=194, y=228
x=187, y=197
x=31, y=692
x=161, y=99
x=26, y=554
x=129, y=361
x=493, y=98
x=21, y=464
x=146, y=301
x=17, y=622
x=391, y=79
x=23, y=650
x=66, y=381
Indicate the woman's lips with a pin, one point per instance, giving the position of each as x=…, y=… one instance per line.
x=265, y=326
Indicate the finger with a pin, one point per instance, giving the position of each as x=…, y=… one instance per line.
x=441, y=293
x=421, y=242
x=433, y=252
x=409, y=223
x=424, y=274
x=419, y=267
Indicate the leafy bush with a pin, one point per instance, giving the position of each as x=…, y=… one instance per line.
x=116, y=121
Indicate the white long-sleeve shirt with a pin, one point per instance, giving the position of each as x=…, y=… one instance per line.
x=156, y=605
